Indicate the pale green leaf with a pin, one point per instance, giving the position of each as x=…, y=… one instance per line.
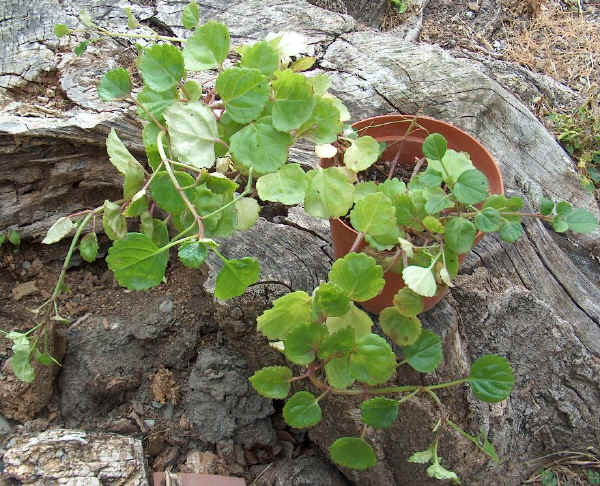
x=372, y=361
x=329, y=193
x=235, y=276
x=190, y=16
x=358, y=276
x=207, y=48
x=88, y=247
x=126, y=164
x=113, y=222
x=272, y=381
x=244, y=92
x=420, y=280
x=294, y=100
x=363, y=153
x=115, y=84
x=289, y=311
x=193, y=132
x=287, y=185
x=161, y=66
x=355, y=318
x=61, y=228
x=247, y=210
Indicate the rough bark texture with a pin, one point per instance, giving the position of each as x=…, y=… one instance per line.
x=72, y=458
x=535, y=302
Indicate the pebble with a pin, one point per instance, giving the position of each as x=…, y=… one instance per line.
x=5, y=427
x=469, y=14
x=166, y=306
x=24, y=289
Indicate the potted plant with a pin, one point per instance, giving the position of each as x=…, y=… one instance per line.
x=404, y=136
x=212, y=151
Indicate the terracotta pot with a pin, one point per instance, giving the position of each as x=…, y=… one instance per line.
x=390, y=128
x=197, y=479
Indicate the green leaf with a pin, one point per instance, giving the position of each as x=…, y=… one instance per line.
x=324, y=123
x=61, y=228
x=88, y=247
x=44, y=358
x=155, y=103
x=491, y=378
x=420, y=280
x=161, y=66
x=160, y=234
x=358, y=276
x=289, y=311
x=422, y=457
x=433, y=224
x=302, y=64
x=260, y=147
x=126, y=164
x=60, y=30
x=511, y=230
x=320, y=84
x=330, y=300
x=193, y=254
x=244, y=91
x=226, y=128
x=193, y=131
x=502, y=203
x=434, y=146
x=113, y=222
x=338, y=373
x=563, y=208
x=272, y=381
x=403, y=330
x=488, y=220
x=355, y=318
x=379, y=412
x=2, y=238
x=437, y=200
x=21, y=366
x=192, y=91
x=452, y=165
x=115, y=84
x=287, y=185
x=408, y=302
x=426, y=354
x=363, y=189
x=190, y=16
x=471, y=187
x=166, y=195
x=426, y=180
x=149, y=136
x=372, y=360
x=132, y=22
x=302, y=410
x=546, y=206
x=362, y=154
x=352, y=452
x=80, y=48
x=247, y=210
x=338, y=343
x=207, y=48
x=302, y=342
x=137, y=262
x=260, y=56
x=294, y=100
x=438, y=472
x=329, y=193
x=372, y=215
x=559, y=224
x=235, y=276
x=460, y=235
x=581, y=221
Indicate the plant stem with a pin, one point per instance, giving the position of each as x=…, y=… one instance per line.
x=445, y=385
x=358, y=240
x=138, y=36
x=175, y=182
x=67, y=261
x=234, y=200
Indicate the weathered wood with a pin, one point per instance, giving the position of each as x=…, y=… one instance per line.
x=73, y=457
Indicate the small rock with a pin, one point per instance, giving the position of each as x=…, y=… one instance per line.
x=203, y=462
x=5, y=427
x=166, y=458
x=166, y=306
x=24, y=289
x=469, y=14
x=474, y=6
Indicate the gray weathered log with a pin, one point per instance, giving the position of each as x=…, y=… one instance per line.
x=535, y=302
x=75, y=458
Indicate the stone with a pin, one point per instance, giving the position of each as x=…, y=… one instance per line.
x=25, y=289
x=302, y=471
x=220, y=402
x=73, y=457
